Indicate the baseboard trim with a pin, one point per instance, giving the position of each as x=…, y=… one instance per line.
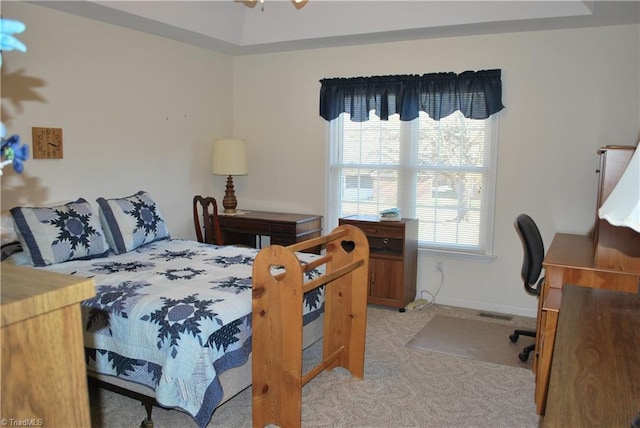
x=490, y=307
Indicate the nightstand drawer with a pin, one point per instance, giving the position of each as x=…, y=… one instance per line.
x=373, y=230
x=385, y=245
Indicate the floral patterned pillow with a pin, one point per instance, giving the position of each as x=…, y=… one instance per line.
x=56, y=234
x=131, y=221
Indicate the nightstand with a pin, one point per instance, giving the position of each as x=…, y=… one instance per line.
x=393, y=258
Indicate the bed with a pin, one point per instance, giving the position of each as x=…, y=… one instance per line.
x=187, y=325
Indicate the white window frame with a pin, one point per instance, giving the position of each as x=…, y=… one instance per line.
x=407, y=204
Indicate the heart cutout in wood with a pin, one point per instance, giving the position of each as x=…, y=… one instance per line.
x=348, y=246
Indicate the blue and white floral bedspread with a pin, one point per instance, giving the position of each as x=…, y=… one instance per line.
x=173, y=315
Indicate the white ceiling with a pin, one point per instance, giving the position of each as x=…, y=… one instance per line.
x=231, y=27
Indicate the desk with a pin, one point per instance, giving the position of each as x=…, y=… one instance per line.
x=569, y=260
x=595, y=378
x=282, y=228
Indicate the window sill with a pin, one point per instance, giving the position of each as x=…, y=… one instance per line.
x=458, y=255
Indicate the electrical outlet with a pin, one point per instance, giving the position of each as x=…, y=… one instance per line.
x=440, y=266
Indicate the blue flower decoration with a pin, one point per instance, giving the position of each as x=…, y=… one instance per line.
x=8, y=28
x=12, y=152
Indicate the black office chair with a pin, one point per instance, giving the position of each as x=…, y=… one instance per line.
x=531, y=269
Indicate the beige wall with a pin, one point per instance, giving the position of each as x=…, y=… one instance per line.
x=122, y=96
x=137, y=112
x=566, y=93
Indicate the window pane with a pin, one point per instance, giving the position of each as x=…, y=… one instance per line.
x=364, y=191
x=449, y=206
x=373, y=142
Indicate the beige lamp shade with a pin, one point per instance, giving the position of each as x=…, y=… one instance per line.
x=229, y=157
x=622, y=207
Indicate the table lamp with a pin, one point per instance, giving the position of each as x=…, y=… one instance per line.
x=622, y=207
x=229, y=158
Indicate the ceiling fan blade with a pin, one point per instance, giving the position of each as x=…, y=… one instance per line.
x=299, y=4
x=248, y=3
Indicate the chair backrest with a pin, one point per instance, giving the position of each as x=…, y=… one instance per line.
x=533, y=253
x=207, y=209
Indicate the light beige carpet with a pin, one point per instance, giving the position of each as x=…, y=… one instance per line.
x=478, y=340
x=402, y=387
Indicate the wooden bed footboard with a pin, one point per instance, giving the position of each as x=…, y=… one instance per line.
x=277, y=320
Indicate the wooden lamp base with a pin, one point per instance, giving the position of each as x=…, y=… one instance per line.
x=230, y=202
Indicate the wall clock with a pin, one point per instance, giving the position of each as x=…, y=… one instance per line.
x=47, y=143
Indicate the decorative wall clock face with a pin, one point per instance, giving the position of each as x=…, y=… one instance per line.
x=47, y=143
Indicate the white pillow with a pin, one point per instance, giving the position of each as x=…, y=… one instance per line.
x=7, y=230
x=20, y=258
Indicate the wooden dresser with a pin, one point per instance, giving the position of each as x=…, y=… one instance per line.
x=43, y=377
x=393, y=258
x=608, y=259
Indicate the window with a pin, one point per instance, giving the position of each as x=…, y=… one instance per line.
x=430, y=150
x=442, y=172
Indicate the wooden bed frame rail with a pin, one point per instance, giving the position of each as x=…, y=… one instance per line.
x=277, y=320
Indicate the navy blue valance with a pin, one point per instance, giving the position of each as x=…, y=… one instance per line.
x=477, y=94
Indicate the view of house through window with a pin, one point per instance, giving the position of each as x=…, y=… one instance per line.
x=442, y=172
